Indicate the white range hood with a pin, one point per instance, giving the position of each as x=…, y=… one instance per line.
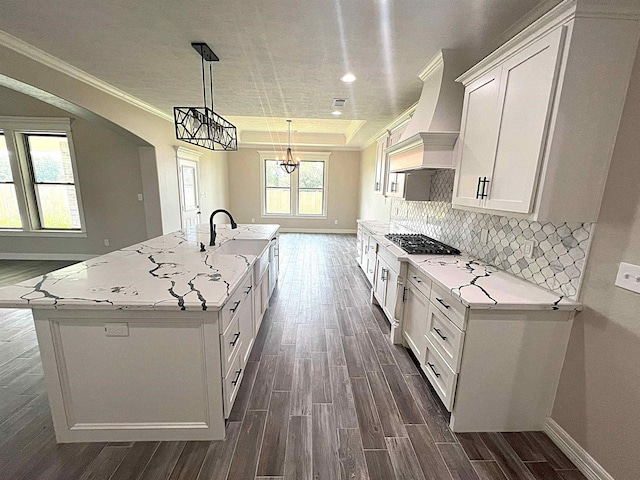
x=431, y=134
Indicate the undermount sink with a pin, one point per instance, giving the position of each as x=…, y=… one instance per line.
x=242, y=247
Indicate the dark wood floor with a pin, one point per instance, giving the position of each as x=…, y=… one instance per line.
x=16, y=271
x=325, y=396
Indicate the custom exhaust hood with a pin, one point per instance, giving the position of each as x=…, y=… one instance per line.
x=430, y=136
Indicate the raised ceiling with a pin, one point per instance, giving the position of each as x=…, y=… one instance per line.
x=278, y=58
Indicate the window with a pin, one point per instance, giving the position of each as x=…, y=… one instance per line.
x=302, y=193
x=38, y=188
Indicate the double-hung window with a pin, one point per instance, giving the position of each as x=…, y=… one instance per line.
x=38, y=179
x=302, y=193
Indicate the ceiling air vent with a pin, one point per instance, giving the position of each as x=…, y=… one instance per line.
x=338, y=102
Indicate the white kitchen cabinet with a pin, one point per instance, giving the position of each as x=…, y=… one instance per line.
x=541, y=114
x=381, y=165
x=414, y=319
x=505, y=116
x=478, y=136
x=386, y=287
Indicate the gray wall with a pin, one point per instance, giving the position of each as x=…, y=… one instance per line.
x=599, y=392
x=109, y=178
x=342, y=191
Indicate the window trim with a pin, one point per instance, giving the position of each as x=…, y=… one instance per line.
x=15, y=129
x=295, y=185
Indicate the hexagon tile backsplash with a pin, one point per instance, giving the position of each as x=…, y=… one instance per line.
x=560, y=253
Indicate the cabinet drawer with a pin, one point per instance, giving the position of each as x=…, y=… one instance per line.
x=449, y=305
x=445, y=337
x=231, y=384
x=442, y=378
x=233, y=303
x=420, y=280
x=230, y=343
x=389, y=258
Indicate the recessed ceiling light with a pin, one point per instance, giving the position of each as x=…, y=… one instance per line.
x=336, y=113
x=348, y=78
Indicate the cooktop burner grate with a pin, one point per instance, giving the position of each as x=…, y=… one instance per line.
x=414, y=243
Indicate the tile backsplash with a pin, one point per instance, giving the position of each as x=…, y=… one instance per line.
x=560, y=252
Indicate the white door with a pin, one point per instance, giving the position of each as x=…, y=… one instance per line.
x=189, y=192
x=526, y=93
x=478, y=136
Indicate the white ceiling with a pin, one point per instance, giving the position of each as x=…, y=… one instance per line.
x=278, y=58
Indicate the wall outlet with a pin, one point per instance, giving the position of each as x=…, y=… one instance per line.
x=116, y=329
x=628, y=277
x=106, y=242
x=139, y=197
x=484, y=236
x=253, y=220
x=529, y=249
x=335, y=222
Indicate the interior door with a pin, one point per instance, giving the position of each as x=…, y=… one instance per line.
x=189, y=192
x=526, y=93
x=478, y=136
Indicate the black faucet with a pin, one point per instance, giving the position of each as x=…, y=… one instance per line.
x=212, y=227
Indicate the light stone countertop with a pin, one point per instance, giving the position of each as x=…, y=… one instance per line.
x=475, y=283
x=163, y=273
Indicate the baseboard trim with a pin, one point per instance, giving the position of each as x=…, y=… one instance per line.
x=578, y=455
x=318, y=230
x=46, y=256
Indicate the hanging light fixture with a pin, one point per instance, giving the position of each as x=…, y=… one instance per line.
x=288, y=163
x=201, y=125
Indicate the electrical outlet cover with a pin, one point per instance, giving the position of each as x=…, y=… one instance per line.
x=628, y=277
x=116, y=329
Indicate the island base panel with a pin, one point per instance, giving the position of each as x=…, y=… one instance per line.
x=160, y=382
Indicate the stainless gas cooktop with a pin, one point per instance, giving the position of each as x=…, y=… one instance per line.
x=414, y=243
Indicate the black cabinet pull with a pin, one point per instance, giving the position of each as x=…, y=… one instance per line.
x=248, y=290
x=443, y=303
x=439, y=332
x=235, y=339
x=478, y=187
x=235, y=306
x=238, y=373
x=485, y=182
x=432, y=367
x=417, y=279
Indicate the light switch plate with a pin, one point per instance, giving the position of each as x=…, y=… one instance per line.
x=628, y=277
x=116, y=329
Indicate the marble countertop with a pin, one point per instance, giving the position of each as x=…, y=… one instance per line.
x=163, y=273
x=475, y=283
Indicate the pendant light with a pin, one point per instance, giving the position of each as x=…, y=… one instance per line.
x=289, y=164
x=201, y=125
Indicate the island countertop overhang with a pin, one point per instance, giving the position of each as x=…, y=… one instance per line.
x=166, y=273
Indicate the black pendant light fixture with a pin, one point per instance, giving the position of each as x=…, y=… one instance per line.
x=288, y=163
x=201, y=125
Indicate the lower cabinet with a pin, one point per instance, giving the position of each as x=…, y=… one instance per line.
x=494, y=370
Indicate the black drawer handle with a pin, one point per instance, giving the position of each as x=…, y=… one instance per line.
x=432, y=367
x=235, y=339
x=248, y=290
x=238, y=373
x=443, y=303
x=437, y=330
x=417, y=279
x=235, y=306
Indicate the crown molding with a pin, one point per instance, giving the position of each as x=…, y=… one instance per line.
x=44, y=58
x=400, y=120
x=436, y=62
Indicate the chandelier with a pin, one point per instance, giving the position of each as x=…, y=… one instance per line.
x=201, y=125
x=288, y=163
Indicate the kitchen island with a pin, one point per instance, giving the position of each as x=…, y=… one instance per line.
x=150, y=342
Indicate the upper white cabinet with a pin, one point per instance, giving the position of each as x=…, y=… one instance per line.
x=541, y=113
x=381, y=168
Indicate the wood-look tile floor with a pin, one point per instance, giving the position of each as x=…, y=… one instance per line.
x=325, y=396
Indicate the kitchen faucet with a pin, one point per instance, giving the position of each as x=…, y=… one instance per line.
x=212, y=227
